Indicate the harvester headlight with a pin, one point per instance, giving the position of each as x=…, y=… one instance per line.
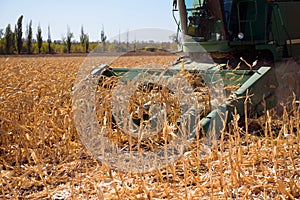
x=241, y=35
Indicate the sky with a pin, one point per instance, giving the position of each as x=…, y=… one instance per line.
x=115, y=16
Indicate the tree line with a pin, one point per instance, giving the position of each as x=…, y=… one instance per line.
x=15, y=42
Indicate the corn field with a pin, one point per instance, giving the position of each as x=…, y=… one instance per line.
x=42, y=157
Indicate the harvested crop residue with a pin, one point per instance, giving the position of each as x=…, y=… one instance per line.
x=41, y=156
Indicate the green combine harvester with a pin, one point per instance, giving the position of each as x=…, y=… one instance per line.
x=240, y=58
x=256, y=45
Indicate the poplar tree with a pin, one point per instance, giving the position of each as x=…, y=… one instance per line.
x=69, y=40
x=39, y=38
x=1, y=33
x=82, y=36
x=29, y=38
x=19, y=34
x=8, y=39
x=103, y=38
x=49, y=40
x=87, y=42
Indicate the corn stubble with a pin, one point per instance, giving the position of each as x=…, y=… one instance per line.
x=43, y=158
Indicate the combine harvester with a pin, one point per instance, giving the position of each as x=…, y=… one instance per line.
x=256, y=45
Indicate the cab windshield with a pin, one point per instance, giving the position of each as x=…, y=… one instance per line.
x=205, y=21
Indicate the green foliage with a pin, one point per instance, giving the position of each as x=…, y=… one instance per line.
x=93, y=45
x=84, y=40
x=1, y=33
x=49, y=40
x=87, y=42
x=8, y=40
x=19, y=34
x=103, y=39
x=29, y=38
x=82, y=35
x=58, y=48
x=69, y=40
x=2, y=46
x=14, y=40
x=39, y=38
x=77, y=47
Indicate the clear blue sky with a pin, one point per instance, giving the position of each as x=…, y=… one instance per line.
x=113, y=15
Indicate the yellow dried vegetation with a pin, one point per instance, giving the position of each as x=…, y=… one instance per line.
x=41, y=156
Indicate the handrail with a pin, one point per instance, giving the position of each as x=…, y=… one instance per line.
x=247, y=20
x=177, y=23
x=284, y=27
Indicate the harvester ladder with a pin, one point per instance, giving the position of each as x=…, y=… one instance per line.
x=246, y=20
x=282, y=24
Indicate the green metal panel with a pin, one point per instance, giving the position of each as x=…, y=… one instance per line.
x=259, y=85
x=285, y=30
x=249, y=17
x=211, y=46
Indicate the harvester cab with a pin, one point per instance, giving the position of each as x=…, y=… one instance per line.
x=256, y=29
